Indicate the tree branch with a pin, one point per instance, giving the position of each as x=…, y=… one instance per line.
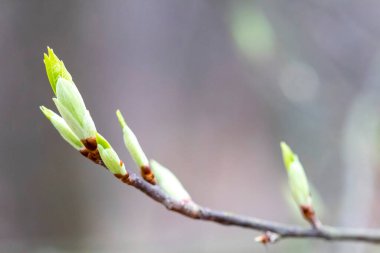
x=194, y=211
x=78, y=129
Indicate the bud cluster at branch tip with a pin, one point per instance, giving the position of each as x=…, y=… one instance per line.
x=75, y=122
x=68, y=100
x=169, y=183
x=135, y=150
x=298, y=184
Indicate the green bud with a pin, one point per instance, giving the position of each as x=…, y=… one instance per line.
x=68, y=117
x=72, y=108
x=55, y=68
x=287, y=155
x=64, y=130
x=169, y=182
x=132, y=143
x=109, y=156
x=68, y=94
x=297, y=180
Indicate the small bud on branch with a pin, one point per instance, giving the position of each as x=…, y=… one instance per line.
x=298, y=184
x=135, y=150
x=110, y=157
x=169, y=182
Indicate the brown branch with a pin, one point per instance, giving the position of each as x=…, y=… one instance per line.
x=194, y=211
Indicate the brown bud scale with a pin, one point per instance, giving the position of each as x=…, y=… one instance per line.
x=90, y=143
x=124, y=178
x=90, y=150
x=309, y=214
x=148, y=175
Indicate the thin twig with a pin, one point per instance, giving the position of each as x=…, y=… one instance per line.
x=194, y=211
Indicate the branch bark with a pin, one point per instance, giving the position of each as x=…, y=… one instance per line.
x=195, y=211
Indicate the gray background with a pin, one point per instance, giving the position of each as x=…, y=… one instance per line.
x=210, y=88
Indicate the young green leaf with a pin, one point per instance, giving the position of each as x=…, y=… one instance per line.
x=100, y=140
x=73, y=110
x=55, y=68
x=68, y=94
x=64, y=130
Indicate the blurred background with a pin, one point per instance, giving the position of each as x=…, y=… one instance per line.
x=210, y=88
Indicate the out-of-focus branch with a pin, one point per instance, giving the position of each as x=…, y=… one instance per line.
x=282, y=231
